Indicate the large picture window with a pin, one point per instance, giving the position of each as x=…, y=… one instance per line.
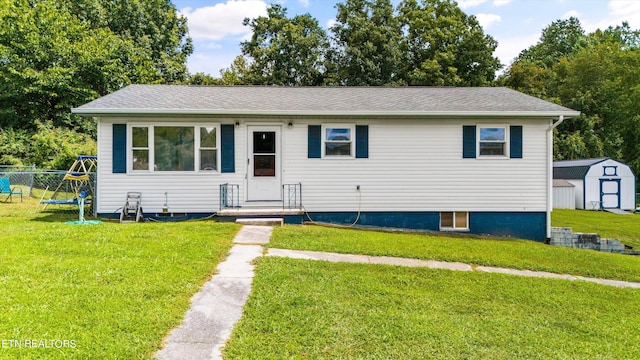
x=174, y=148
x=492, y=141
x=338, y=141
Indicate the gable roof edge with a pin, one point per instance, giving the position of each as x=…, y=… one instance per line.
x=168, y=112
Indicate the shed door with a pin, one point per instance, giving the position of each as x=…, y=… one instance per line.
x=610, y=193
x=263, y=182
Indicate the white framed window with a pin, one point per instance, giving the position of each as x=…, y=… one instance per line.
x=454, y=220
x=493, y=140
x=338, y=141
x=140, y=148
x=169, y=147
x=208, y=148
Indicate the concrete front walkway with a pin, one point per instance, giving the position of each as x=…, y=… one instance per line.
x=384, y=260
x=218, y=306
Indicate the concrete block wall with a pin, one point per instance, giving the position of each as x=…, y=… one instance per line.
x=566, y=237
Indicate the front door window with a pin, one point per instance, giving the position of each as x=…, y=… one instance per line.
x=264, y=153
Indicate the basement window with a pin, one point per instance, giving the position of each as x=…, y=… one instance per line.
x=454, y=220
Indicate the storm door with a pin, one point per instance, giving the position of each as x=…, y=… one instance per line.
x=264, y=178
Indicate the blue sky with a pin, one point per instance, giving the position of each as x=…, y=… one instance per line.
x=216, y=25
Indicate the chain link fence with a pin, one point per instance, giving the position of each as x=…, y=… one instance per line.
x=56, y=191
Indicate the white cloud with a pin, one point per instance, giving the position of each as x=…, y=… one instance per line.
x=304, y=3
x=209, y=63
x=500, y=2
x=572, y=13
x=486, y=20
x=465, y=4
x=509, y=47
x=626, y=11
x=619, y=11
x=330, y=23
x=223, y=19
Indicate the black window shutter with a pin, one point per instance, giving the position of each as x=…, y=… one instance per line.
x=119, y=149
x=515, y=142
x=468, y=141
x=227, y=148
x=362, y=141
x=314, y=142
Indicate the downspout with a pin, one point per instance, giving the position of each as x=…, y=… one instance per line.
x=550, y=171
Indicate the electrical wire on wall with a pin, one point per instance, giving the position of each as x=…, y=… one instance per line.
x=339, y=225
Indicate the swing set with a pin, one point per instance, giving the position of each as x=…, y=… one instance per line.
x=76, y=186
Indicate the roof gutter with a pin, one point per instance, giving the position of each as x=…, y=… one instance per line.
x=555, y=124
x=550, y=171
x=209, y=112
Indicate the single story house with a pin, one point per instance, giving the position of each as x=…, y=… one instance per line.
x=601, y=183
x=474, y=160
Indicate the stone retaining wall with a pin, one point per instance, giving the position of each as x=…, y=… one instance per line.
x=566, y=237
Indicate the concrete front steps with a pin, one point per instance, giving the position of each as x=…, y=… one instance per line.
x=261, y=214
x=261, y=221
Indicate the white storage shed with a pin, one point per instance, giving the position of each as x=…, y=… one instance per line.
x=564, y=195
x=601, y=183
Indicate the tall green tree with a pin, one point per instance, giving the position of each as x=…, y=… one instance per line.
x=284, y=51
x=153, y=26
x=52, y=62
x=444, y=46
x=55, y=55
x=367, y=37
x=597, y=74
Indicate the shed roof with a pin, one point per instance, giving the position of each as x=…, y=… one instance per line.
x=562, y=183
x=350, y=101
x=574, y=169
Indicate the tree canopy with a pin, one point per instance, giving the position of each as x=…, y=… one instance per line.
x=431, y=42
x=285, y=51
x=597, y=74
x=56, y=55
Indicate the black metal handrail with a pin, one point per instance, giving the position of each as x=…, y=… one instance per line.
x=229, y=196
x=292, y=196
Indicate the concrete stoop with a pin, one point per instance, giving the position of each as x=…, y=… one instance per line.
x=261, y=221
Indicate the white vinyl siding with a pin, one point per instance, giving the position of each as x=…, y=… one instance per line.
x=413, y=165
x=193, y=191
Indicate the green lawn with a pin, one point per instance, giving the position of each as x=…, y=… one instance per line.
x=625, y=228
x=317, y=310
x=115, y=290
x=519, y=254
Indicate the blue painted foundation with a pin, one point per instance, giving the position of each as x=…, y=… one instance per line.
x=522, y=225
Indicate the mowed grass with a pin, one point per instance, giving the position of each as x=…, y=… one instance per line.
x=318, y=310
x=115, y=290
x=625, y=228
x=509, y=253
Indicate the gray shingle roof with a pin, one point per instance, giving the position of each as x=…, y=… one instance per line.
x=574, y=169
x=182, y=99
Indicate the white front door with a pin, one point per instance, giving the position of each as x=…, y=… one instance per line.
x=264, y=178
